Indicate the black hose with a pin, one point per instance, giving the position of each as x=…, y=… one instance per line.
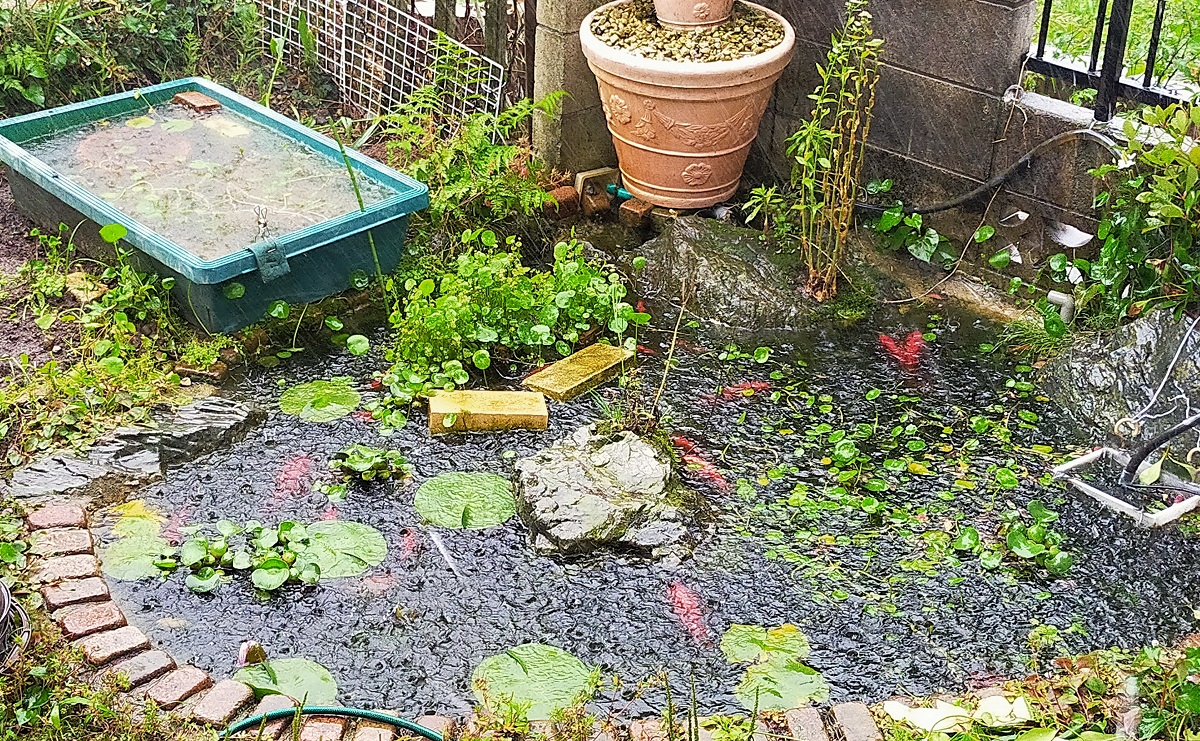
x=1019, y=167
x=1154, y=444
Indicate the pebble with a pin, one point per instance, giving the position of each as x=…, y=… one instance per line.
x=634, y=27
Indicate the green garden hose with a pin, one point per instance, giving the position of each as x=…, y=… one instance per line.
x=371, y=715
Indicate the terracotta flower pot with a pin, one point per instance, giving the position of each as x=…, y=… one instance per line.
x=685, y=15
x=682, y=130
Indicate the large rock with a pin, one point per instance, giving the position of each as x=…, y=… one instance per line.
x=1106, y=378
x=589, y=491
x=727, y=273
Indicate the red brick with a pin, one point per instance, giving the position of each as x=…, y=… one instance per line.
x=596, y=203
x=276, y=728
x=101, y=648
x=143, y=667
x=176, y=686
x=565, y=202
x=322, y=728
x=57, y=515
x=83, y=620
x=805, y=724
x=197, y=101
x=222, y=703
x=74, y=591
x=373, y=732
x=635, y=212
x=60, y=542
x=62, y=568
x=439, y=724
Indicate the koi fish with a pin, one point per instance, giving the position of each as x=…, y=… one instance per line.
x=739, y=391
x=705, y=469
x=171, y=532
x=686, y=605
x=641, y=307
x=907, y=354
x=329, y=514
x=685, y=445
x=364, y=415
x=377, y=584
x=646, y=350
x=408, y=543
x=293, y=477
x=375, y=384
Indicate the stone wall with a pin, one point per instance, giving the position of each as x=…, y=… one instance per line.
x=943, y=122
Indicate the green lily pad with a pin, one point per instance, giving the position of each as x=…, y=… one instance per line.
x=139, y=543
x=466, y=500
x=544, y=677
x=342, y=549
x=776, y=679
x=176, y=124
x=299, y=679
x=320, y=401
x=140, y=122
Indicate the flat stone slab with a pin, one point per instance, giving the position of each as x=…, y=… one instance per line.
x=323, y=728
x=57, y=474
x=143, y=667
x=60, y=542
x=62, y=568
x=579, y=372
x=222, y=703
x=101, y=648
x=276, y=728
x=438, y=724
x=57, y=515
x=856, y=722
x=804, y=724
x=83, y=620
x=176, y=686
x=367, y=731
x=487, y=411
x=74, y=591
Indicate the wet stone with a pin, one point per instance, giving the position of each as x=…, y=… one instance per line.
x=101, y=648
x=804, y=724
x=328, y=728
x=273, y=729
x=66, y=567
x=74, y=591
x=204, y=426
x=438, y=724
x=83, y=620
x=373, y=732
x=855, y=721
x=222, y=703
x=60, y=542
x=176, y=686
x=56, y=516
x=565, y=202
x=197, y=101
x=143, y=667
x=56, y=475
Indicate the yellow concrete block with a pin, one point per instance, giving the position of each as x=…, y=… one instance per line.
x=487, y=411
x=579, y=372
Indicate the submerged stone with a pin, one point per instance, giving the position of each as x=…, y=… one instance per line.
x=727, y=274
x=1105, y=378
x=590, y=491
x=579, y=372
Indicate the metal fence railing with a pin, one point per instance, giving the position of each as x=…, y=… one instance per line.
x=1107, y=73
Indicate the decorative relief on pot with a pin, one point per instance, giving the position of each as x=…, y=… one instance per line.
x=697, y=174
x=707, y=136
x=616, y=109
x=701, y=11
x=645, y=126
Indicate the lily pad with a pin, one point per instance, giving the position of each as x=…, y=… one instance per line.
x=139, y=543
x=777, y=679
x=466, y=500
x=320, y=401
x=299, y=679
x=176, y=124
x=140, y=122
x=544, y=677
x=342, y=549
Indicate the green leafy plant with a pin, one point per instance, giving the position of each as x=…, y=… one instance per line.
x=903, y=231
x=1025, y=537
x=364, y=463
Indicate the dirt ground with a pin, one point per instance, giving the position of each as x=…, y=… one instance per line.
x=18, y=333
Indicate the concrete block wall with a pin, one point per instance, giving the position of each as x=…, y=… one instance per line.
x=942, y=124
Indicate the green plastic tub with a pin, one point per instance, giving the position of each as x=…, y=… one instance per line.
x=235, y=289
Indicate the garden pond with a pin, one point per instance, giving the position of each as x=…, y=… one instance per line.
x=861, y=475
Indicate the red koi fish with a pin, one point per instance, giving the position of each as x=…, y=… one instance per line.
x=908, y=355
x=646, y=350
x=171, y=532
x=686, y=605
x=685, y=445
x=704, y=468
x=329, y=514
x=641, y=307
x=364, y=415
x=294, y=477
x=741, y=389
x=408, y=543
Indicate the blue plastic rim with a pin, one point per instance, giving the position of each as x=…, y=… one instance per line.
x=410, y=195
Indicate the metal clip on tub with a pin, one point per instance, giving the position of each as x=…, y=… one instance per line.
x=272, y=262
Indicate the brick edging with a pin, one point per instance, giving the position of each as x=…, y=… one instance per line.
x=77, y=597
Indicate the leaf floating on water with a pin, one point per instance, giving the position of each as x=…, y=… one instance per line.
x=177, y=124
x=139, y=543
x=342, y=549
x=296, y=678
x=140, y=122
x=545, y=677
x=225, y=126
x=466, y=500
x=320, y=401
x=777, y=680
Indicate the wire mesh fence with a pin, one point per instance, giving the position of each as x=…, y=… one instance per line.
x=379, y=54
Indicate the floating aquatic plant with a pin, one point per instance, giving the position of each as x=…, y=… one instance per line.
x=543, y=677
x=466, y=500
x=321, y=401
x=300, y=679
x=776, y=678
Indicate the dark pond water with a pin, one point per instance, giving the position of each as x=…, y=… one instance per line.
x=886, y=605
